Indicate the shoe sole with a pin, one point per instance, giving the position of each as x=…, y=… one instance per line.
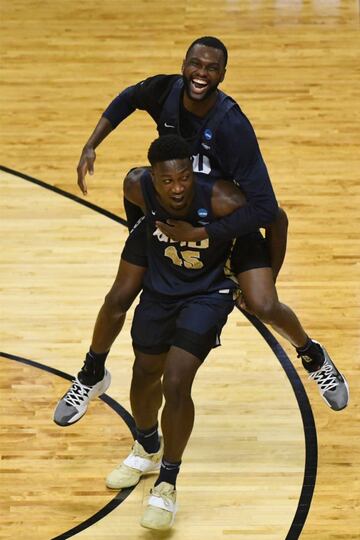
x=148, y=526
x=156, y=528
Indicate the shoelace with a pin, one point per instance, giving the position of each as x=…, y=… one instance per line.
x=77, y=393
x=325, y=378
x=166, y=497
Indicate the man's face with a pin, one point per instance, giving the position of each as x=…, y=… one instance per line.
x=173, y=181
x=203, y=70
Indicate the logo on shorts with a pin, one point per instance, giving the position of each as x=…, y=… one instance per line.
x=208, y=134
x=202, y=212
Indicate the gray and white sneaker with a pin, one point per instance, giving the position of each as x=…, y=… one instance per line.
x=73, y=405
x=333, y=386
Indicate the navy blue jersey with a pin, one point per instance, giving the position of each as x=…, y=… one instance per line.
x=178, y=269
x=223, y=143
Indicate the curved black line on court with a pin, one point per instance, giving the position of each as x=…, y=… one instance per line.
x=66, y=194
x=311, y=450
x=123, y=413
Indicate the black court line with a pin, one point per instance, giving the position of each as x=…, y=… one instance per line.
x=311, y=449
x=123, y=413
x=66, y=194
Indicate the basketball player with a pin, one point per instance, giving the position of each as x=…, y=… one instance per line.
x=223, y=144
x=185, y=302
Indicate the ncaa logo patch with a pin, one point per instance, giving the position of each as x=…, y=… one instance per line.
x=202, y=212
x=208, y=134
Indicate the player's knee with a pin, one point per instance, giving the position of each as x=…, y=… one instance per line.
x=175, y=389
x=264, y=308
x=118, y=301
x=146, y=370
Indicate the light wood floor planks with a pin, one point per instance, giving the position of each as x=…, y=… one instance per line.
x=294, y=69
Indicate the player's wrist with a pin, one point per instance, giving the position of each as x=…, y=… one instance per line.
x=89, y=147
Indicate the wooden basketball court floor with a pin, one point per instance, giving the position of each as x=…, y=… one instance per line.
x=267, y=459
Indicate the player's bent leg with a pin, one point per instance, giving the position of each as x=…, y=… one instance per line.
x=261, y=297
x=259, y=292
x=146, y=398
x=93, y=379
x=109, y=323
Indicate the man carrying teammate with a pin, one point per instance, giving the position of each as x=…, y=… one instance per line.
x=185, y=302
x=223, y=145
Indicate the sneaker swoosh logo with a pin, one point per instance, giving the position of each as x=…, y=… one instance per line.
x=169, y=125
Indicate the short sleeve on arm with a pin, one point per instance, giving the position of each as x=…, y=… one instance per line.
x=147, y=95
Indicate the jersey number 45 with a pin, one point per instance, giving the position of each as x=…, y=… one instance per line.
x=188, y=259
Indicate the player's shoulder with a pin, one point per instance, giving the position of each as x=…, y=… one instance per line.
x=217, y=188
x=134, y=175
x=234, y=125
x=234, y=117
x=159, y=83
x=133, y=179
x=224, y=188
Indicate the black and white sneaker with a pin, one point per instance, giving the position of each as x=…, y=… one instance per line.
x=333, y=386
x=73, y=405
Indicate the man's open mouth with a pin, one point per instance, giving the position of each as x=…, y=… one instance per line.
x=178, y=200
x=199, y=86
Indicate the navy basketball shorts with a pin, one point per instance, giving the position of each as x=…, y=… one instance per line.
x=193, y=324
x=250, y=252
x=135, y=247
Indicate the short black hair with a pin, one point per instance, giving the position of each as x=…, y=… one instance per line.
x=210, y=41
x=168, y=147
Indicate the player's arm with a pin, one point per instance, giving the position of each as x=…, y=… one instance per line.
x=88, y=155
x=239, y=154
x=225, y=199
x=119, y=109
x=141, y=96
x=240, y=157
x=132, y=187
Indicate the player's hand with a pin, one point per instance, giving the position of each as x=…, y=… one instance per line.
x=86, y=165
x=182, y=231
